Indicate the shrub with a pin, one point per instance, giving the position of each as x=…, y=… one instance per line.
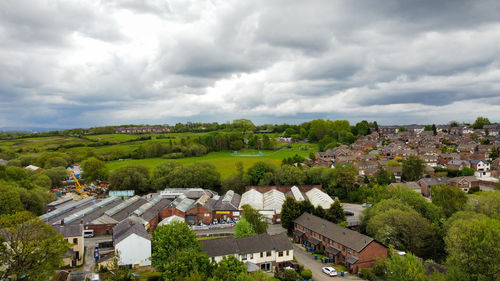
x=306, y=274
x=367, y=274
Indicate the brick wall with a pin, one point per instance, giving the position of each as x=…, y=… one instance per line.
x=369, y=255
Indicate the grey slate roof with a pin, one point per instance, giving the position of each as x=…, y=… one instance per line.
x=245, y=245
x=224, y=204
x=123, y=214
x=339, y=234
x=71, y=230
x=126, y=228
x=435, y=181
x=154, y=210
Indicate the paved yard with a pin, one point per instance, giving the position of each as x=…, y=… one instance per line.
x=307, y=260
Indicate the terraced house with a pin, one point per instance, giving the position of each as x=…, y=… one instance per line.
x=343, y=245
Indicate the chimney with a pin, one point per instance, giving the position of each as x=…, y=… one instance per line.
x=81, y=221
x=62, y=221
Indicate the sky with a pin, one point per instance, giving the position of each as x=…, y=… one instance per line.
x=66, y=64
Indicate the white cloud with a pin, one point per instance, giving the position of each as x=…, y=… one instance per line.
x=73, y=63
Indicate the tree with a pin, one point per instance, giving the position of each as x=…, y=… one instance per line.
x=229, y=268
x=449, y=198
x=290, y=210
x=131, y=176
x=168, y=240
x=10, y=201
x=29, y=247
x=94, y=169
x=466, y=171
x=42, y=180
x=473, y=248
x=243, y=125
x=257, y=220
x=413, y=168
x=480, y=122
x=344, y=177
x=306, y=207
x=383, y=177
x=184, y=263
x=160, y=178
x=336, y=213
x=319, y=212
x=290, y=175
x=243, y=228
x=56, y=175
x=256, y=174
x=494, y=153
x=408, y=268
x=406, y=230
x=485, y=202
x=434, y=130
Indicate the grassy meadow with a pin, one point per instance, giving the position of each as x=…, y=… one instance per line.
x=125, y=144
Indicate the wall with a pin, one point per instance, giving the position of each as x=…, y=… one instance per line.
x=134, y=250
x=369, y=255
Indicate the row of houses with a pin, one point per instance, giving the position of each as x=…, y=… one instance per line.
x=145, y=129
x=340, y=244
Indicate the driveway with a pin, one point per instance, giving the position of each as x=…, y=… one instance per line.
x=307, y=260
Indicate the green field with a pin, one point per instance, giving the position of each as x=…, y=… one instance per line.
x=223, y=160
x=123, y=145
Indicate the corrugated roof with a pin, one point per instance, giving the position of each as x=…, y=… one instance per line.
x=273, y=200
x=319, y=198
x=252, y=198
x=297, y=194
x=65, y=209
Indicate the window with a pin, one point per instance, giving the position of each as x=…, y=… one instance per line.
x=75, y=240
x=349, y=251
x=262, y=254
x=280, y=254
x=251, y=256
x=244, y=257
x=287, y=252
x=268, y=254
x=343, y=248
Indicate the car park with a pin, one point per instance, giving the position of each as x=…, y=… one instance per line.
x=330, y=271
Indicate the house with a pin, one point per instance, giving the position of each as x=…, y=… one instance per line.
x=341, y=244
x=481, y=168
x=465, y=183
x=426, y=183
x=132, y=242
x=457, y=164
x=73, y=234
x=267, y=252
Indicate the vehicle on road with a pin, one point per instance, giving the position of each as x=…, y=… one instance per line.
x=330, y=271
x=88, y=233
x=93, y=277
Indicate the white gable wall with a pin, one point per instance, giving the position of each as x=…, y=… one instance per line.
x=134, y=250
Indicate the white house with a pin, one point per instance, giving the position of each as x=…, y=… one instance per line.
x=267, y=252
x=132, y=242
x=481, y=168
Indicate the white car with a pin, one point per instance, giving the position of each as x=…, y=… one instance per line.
x=330, y=271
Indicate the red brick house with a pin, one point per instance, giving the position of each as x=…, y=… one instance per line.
x=343, y=245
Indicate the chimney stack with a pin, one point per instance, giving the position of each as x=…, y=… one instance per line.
x=62, y=221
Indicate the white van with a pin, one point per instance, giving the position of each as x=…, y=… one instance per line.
x=94, y=277
x=87, y=233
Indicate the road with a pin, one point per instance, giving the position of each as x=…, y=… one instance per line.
x=307, y=260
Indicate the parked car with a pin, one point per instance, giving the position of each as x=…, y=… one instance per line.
x=348, y=213
x=330, y=271
x=215, y=221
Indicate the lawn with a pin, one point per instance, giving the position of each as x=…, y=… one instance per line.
x=223, y=160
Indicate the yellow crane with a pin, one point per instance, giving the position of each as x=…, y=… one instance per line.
x=78, y=187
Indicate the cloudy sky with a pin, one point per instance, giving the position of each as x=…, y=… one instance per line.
x=86, y=63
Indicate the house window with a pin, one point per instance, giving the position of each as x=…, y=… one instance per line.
x=287, y=252
x=280, y=254
x=244, y=257
x=251, y=256
x=268, y=254
x=349, y=251
x=75, y=240
x=262, y=254
x=343, y=248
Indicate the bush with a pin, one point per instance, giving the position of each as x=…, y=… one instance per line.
x=174, y=155
x=306, y=274
x=379, y=268
x=474, y=189
x=367, y=274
